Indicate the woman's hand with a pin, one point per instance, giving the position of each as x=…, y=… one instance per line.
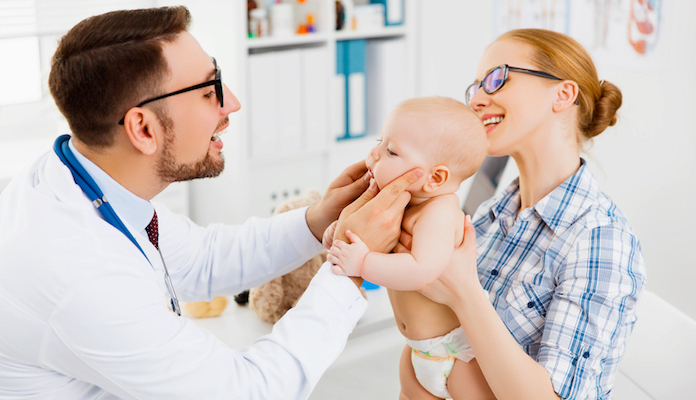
x=460, y=275
x=376, y=215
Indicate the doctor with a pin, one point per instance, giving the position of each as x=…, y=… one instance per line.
x=90, y=270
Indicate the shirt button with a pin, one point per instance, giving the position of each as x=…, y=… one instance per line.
x=494, y=272
x=586, y=354
x=530, y=304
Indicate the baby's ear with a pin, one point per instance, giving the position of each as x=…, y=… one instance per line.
x=439, y=175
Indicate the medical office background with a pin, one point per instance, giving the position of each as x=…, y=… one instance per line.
x=294, y=133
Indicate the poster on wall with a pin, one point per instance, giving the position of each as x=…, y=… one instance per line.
x=543, y=14
x=618, y=33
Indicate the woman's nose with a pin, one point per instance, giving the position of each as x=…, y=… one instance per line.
x=481, y=99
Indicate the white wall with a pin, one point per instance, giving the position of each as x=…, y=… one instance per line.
x=646, y=163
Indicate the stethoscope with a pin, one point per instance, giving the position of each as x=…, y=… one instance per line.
x=90, y=188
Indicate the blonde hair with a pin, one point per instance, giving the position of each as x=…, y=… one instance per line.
x=562, y=56
x=456, y=139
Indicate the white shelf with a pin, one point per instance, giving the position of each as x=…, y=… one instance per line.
x=253, y=174
x=323, y=38
x=287, y=41
x=387, y=31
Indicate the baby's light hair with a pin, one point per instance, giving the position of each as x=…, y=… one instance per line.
x=457, y=138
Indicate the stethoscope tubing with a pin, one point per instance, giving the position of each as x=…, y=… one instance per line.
x=91, y=189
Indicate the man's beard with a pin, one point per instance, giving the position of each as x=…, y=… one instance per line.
x=171, y=171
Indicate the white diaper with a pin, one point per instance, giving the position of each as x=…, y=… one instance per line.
x=433, y=359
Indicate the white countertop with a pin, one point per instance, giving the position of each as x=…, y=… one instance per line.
x=239, y=326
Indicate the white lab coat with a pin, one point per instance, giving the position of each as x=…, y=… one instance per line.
x=83, y=315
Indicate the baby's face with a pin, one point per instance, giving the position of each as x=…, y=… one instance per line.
x=399, y=150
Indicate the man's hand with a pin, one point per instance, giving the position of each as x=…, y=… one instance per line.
x=344, y=189
x=376, y=217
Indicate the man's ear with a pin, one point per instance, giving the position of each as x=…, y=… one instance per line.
x=567, y=94
x=438, y=176
x=140, y=125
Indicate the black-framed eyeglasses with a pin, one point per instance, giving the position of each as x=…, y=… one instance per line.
x=218, y=89
x=495, y=80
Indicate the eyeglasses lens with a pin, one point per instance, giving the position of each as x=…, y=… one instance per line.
x=471, y=92
x=218, y=83
x=494, y=80
x=218, y=92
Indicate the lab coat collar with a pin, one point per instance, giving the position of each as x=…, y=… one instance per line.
x=58, y=177
x=130, y=208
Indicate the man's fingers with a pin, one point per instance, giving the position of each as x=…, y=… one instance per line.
x=366, y=196
x=391, y=193
x=356, y=173
x=401, y=202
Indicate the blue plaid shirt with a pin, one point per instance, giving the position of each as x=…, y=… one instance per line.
x=564, y=276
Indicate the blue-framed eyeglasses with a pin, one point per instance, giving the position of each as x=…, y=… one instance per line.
x=218, y=90
x=495, y=80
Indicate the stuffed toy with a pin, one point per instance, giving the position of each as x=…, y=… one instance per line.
x=274, y=298
x=207, y=309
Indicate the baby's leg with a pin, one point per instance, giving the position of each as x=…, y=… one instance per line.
x=466, y=382
x=411, y=389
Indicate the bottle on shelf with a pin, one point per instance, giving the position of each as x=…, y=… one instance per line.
x=251, y=5
x=348, y=20
x=340, y=15
x=282, y=19
x=258, y=23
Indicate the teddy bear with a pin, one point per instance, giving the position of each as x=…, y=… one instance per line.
x=273, y=299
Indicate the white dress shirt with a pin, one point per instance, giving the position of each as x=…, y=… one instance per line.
x=84, y=314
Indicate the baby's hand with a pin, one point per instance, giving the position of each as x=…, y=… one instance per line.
x=347, y=259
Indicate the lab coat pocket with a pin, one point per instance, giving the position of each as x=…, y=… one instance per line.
x=526, y=312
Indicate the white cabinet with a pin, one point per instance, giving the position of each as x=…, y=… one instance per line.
x=283, y=140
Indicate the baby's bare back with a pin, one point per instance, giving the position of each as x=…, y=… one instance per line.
x=417, y=316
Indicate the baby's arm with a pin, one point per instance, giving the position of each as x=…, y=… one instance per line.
x=433, y=244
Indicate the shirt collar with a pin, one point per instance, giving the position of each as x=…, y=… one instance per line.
x=558, y=209
x=569, y=201
x=130, y=208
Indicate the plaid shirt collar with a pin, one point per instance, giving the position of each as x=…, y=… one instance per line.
x=558, y=209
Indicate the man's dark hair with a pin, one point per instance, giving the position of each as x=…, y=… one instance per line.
x=108, y=63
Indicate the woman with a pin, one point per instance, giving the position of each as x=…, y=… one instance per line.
x=553, y=299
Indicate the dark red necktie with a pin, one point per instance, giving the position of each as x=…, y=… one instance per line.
x=152, y=230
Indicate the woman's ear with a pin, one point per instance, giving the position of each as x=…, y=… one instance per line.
x=439, y=175
x=567, y=94
x=140, y=126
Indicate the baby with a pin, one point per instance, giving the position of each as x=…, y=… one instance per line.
x=446, y=139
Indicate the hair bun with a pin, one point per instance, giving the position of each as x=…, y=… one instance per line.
x=607, y=104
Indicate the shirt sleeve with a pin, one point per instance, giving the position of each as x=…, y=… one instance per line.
x=227, y=259
x=592, y=311
x=114, y=331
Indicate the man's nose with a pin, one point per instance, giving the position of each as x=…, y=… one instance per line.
x=231, y=102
